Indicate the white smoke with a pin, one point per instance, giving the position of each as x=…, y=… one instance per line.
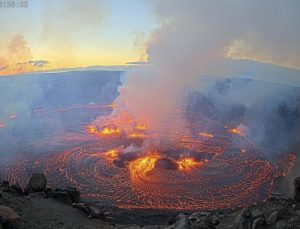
x=195, y=33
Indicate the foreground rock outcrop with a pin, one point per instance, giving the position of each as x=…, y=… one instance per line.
x=37, y=182
x=297, y=189
x=68, y=195
x=8, y=216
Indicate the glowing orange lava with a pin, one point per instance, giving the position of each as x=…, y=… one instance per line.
x=141, y=166
x=188, y=163
x=141, y=126
x=235, y=131
x=204, y=134
x=111, y=155
x=91, y=129
x=110, y=131
x=104, y=131
x=138, y=135
x=209, y=167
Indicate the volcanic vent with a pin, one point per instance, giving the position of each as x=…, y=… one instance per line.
x=209, y=167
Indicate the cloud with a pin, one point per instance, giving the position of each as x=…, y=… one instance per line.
x=39, y=63
x=138, y=63
x=14, y=59
x=17, y=57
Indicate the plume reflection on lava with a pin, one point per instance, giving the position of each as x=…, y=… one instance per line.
x=206, y=169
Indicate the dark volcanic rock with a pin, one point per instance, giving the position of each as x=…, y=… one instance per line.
x=257, y=213
x=297, y=188
x=82, y=206
x=181, y=222
x=5, y=183
x=258, y=223
x=203, y=220
x=164, y=163
x=281, y=224
x=17, y=188
x=61, y=196
x=295, y=221
x=273, y=218
x=74, y=194
x=47, y=193
x=9, y=215
x=37, y=182
x=277, y=215
x=68, y=195
x=243, y=220
x=10, y=190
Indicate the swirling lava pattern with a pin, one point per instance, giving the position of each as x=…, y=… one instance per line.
x=212, y=167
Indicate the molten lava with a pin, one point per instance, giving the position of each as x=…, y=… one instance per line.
x=142, y=166
x=186, y=164
x=141, y=126
x=110, y=131
x=236, y=131
x=205, y=169
x=106, y=131
x=205, y=134
x=138, y=135
x=111, y=154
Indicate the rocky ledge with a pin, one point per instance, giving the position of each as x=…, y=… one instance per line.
x=38, y=206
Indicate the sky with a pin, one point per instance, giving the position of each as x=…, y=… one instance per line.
x=75, y=33
x=58, y=34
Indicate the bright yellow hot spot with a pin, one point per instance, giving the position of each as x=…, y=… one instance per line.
x=235, y=131
x=187, y=163
x=91, y=129
x=141, y=166
x=104, y=131
x=110, y=131
x=141, y=126
x=204, y=134
x=111, y=155
x=138, y=135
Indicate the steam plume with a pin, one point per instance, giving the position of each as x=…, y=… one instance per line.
x=195, y=33
x=15, y=57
